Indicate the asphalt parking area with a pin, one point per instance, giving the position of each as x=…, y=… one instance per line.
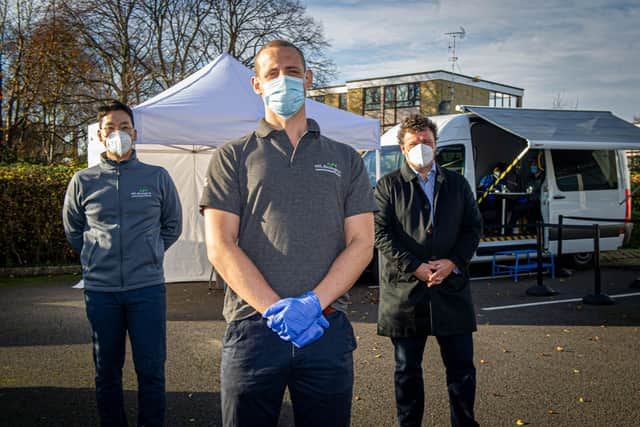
x=562, y=363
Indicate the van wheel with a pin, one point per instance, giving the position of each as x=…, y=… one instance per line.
x=582, y=260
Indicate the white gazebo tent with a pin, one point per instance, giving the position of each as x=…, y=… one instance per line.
x=178, y=128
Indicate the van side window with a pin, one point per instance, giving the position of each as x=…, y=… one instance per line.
x=451, y=157
x=580, y=170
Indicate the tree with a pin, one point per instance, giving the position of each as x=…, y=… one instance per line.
x=559, y=102
x=47, y=68
x=117, y=35
x=181, y=38
x=244, y=26
x=62, y=57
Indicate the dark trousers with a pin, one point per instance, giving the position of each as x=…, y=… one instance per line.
x=457, y=356
x=141, y=313
x=257, y=366
x=529, y=210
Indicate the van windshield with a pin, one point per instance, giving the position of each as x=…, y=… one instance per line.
x=449, y=157
x=391, y=158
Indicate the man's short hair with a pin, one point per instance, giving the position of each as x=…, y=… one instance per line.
x=105, y=109
x=278, y=43
x=416, y=123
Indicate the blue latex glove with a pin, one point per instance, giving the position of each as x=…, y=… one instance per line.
x=290, y=317
x=313, y=333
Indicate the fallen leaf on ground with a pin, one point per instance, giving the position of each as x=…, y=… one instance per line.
x=559, y=349
x=552, y=412
x=504, y=350
x=576, y=371
x=594, y=338
x=482, y=361
x=584, y=399
x=520, y=422
x=378, y=356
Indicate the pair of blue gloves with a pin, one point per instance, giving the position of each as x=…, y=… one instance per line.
x=297, y=320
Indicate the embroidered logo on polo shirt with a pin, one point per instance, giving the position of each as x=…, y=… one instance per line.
x=329, y=167
x=140, y=193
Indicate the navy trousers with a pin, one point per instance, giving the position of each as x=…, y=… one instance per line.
x=141, y=313
x=457, y=356
x=257, y=366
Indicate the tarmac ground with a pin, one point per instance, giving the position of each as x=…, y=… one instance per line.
x=542, y=361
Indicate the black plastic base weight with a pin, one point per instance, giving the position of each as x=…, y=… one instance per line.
x=540, y=291
x=597, y=299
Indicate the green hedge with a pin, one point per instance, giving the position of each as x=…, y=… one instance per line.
x=31, y=197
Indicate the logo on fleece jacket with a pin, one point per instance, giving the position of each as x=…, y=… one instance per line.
x=141, y=193
x=329, y=167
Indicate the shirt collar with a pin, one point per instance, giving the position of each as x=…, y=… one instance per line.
x=265, y=129
x=107, y=163
x=430, y=175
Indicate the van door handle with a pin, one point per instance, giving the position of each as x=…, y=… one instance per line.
x=559, y=196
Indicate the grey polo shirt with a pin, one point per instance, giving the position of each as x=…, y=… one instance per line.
x=292, y=204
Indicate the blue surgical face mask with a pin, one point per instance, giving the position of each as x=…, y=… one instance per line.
x=284, y=95
x=533, y=169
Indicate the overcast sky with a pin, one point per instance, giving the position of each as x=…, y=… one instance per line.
x=585, y=52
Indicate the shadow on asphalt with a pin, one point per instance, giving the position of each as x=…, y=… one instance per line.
x=70, y=407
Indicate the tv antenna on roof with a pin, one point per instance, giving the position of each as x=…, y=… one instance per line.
x=453, y=59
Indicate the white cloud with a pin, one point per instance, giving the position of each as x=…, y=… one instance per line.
x=586, y=51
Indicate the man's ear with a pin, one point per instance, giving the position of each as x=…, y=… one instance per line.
x=100, y=137
x=255, y=84
x=308, y=78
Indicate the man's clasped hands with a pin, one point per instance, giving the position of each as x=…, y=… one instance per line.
x=298, y=320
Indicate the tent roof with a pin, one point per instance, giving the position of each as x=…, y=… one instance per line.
x=563, y=129
x=216, y=104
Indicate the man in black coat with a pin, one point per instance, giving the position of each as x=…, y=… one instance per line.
x=427, y=230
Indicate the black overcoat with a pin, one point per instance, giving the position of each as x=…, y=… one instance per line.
x=407, y=306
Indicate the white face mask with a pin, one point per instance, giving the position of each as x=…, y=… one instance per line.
x=119, y=142
x=421, y=155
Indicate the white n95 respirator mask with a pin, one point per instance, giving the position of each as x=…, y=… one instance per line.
x=118, y=142
x=421, y=155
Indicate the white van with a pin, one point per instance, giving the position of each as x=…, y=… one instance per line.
x=580, y=152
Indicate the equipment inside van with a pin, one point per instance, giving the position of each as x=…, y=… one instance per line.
x=555, y=162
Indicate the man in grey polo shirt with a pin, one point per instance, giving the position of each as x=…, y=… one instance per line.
x=289, y=228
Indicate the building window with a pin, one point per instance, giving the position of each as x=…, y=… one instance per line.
x=497, y=99
x=371, y=98
x=342, y=101
x=319, y=98
x=404, y=95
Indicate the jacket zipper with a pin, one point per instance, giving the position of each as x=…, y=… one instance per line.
x=119, y=223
